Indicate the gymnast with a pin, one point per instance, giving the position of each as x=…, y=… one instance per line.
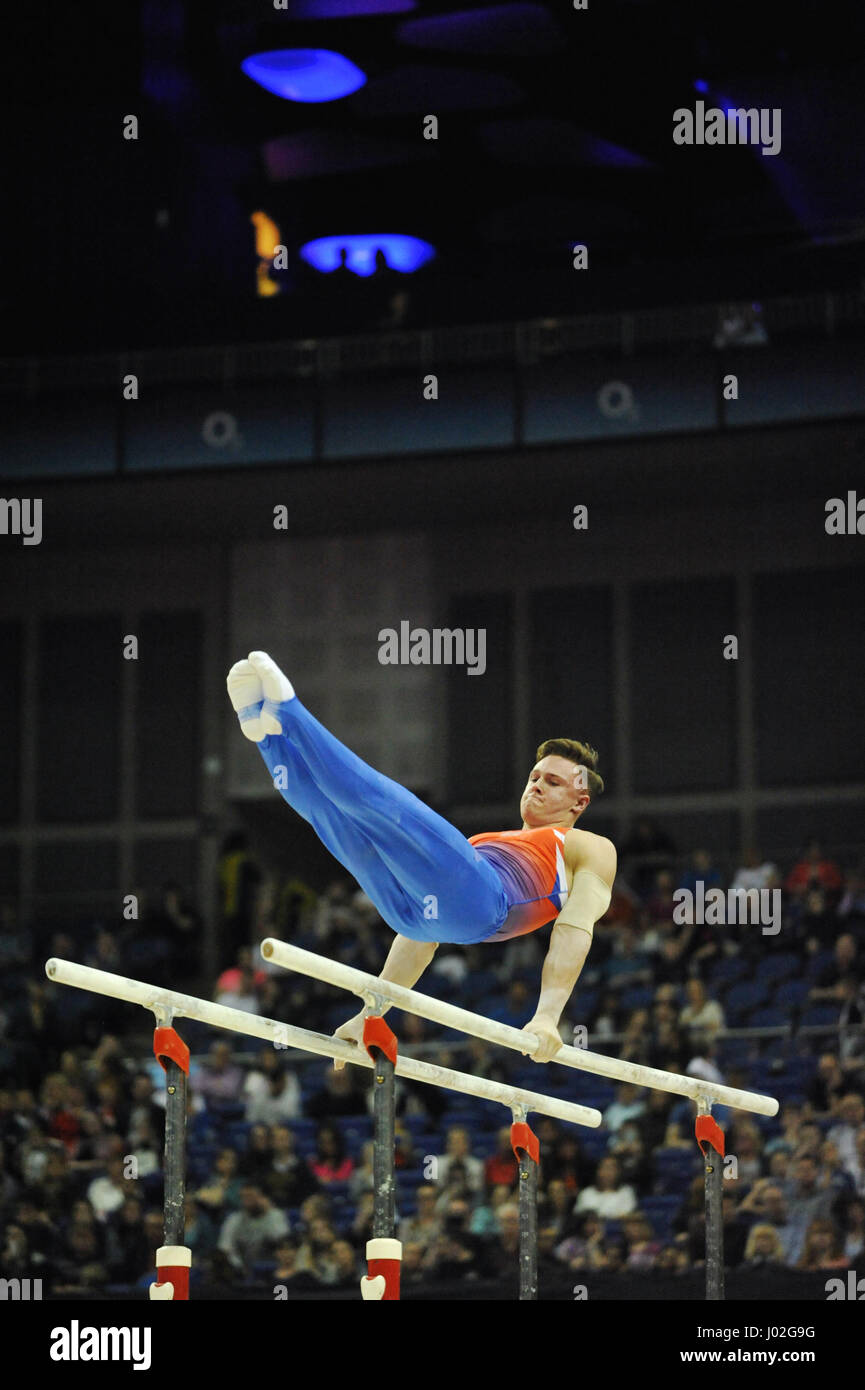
x=428, y=882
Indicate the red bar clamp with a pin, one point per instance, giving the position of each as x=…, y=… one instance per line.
x=167, y=1043
x=377, y=1034
x=706, y=1128
x=523, y=1138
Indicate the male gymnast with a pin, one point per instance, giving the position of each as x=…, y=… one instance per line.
x=428, y=882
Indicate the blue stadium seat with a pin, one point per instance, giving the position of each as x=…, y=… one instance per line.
x=728, y=970
x=734, y=1052
x=674, y=1169
x=750, y=994
x=817, y=964
x=478, y=984
x=792, y=994
x=225, y=1112
x=820, y=1015
x=662, y=1211
x=593, y=1143
x=638, y=997
x=779, y=967
x=584, y=1005
x=803, y=1067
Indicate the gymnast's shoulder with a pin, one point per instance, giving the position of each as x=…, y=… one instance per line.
x=586, y=850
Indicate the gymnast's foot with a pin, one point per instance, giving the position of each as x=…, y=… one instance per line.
x=247, y=696
x=277, y=690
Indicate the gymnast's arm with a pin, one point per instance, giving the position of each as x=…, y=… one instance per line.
x=406, y=962
x=570, y=941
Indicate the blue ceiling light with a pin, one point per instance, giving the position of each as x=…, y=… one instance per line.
x=304, y=74
x=403, y=253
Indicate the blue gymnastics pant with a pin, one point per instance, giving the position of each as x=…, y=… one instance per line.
x=425, y=879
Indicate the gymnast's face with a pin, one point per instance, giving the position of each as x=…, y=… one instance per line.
x=554, y=793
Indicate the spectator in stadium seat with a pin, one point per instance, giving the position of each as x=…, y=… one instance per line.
x=126, y=1243
x=339, y=1096
x=674, y=944
x=331, y=1163
x=346, y=1266
x=585, y=1249
x=827, y=1086
x=832, y=1173
x=80, y=1265
x=199, y=1231
x=822, y=1247
x=609, y=1197
x=255, y=1161
x=257, y=1082
x=315, y=1254
x=458, y=1156
x=655, y=1118
x=627, y=966
x=851, y=1214
x=222, y=1190
x=220, y=1079
x=501, y=1251
x=763, y=1248
x=636, y=1044
x=281, y=1101
x=642, y=1246
x=851, y=1119
x=411, y=1266
x=662, y=903
x=426, y=1224
x=755, y=872
x=805, y=1203
x=746, y=1142
x=829, y=987
x=627, y=1146
x=285, y=1269
x=673, y=1258
x=792, y=1118
x=558, y=1209
x=779, y=1166
x=288, y=1180
x=701, y=1014
x=502, y=1167
x=813, y=870
x=484, y=1218
x=454, y=1253
x=362, y=1178
x=851, y=908
x=108, y=1192
x=246, y=1235
x=54, y=1190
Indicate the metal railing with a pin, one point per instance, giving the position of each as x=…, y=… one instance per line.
x=518, y=343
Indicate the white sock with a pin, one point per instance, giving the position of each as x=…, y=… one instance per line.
x=277, y=689
x=247, y=697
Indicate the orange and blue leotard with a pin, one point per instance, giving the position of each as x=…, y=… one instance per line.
x=531, y=866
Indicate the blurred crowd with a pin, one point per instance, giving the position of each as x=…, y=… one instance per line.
x=280, y=1178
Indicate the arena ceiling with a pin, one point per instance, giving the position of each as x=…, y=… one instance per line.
x=555, y=127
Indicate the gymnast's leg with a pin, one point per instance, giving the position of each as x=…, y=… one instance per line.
x=424, y=877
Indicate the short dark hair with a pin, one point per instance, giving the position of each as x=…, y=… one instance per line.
x=583, y=754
